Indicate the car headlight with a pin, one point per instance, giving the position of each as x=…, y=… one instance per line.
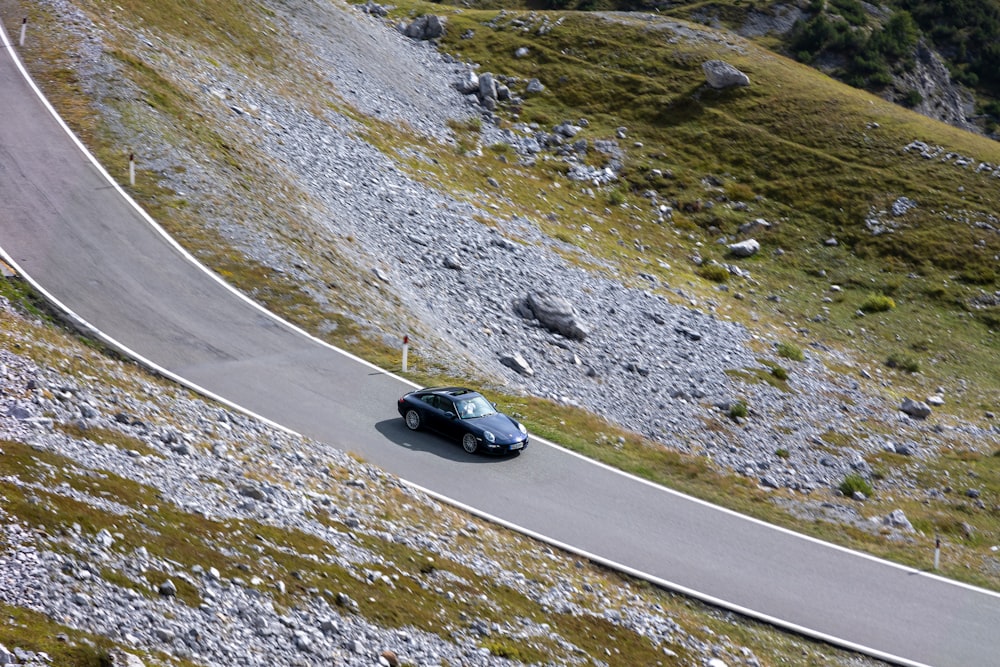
x=520, y=427
x=489, y=437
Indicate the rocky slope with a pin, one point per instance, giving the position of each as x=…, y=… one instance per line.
x=651, y=356
x=173, y=530
x=351, y=224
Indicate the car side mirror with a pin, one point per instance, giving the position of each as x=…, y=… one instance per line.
x=450, y=415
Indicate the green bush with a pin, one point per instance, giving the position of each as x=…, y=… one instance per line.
x=738, y=410
x=878, y=303
x=853, y=483
x=911, y=98
x=714, y=272
x=851, y=10
x=503, y=648
x=903, y=363
x=782, y=453
x=779, y=373
x=789, y=351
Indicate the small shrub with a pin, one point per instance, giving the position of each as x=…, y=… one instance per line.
x=853, y=483
x=877, y=303
x=714, y=272
x=912, y=98
x=903, y=363
x=738, y=410
x=978, y=275
x=779, y=373
x=782, y=453
x=471, y=124
x=503, y=648
x=789, y=351
x=991, y=318
x=616, y=198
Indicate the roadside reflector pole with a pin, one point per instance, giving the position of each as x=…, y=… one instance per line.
x=131, y=169
x=937, y=552
x=24, y=28
x=406, y=351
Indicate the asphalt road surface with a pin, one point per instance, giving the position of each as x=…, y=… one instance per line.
x=77, y=237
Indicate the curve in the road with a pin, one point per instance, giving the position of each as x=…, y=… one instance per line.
x=96, y=255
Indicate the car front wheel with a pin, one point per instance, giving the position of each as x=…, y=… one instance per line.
x=469, y=443
x=412, y=420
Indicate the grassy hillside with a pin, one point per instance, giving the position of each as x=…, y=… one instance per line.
x=870, y=42
x=816, y=159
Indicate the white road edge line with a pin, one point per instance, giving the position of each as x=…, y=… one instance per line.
x=111, y=342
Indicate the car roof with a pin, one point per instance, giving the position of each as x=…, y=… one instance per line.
x=451, y=391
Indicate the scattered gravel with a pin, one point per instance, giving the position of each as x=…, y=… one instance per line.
x=656, y=359
x=456, y=270
x=217, y=465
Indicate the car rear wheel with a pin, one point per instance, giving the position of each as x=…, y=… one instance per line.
x=412, y=420
x=469, y=443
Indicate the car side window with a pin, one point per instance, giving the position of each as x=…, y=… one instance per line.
x=446, y=405
x=430, y=399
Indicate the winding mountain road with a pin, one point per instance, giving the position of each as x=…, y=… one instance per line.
x=82, y=242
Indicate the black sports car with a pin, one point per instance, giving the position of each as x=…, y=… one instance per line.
x=464, y=415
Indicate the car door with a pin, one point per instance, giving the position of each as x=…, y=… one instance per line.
x=430, y=413
x=451, y=425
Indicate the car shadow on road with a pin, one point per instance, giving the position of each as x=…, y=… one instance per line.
x=423, y=441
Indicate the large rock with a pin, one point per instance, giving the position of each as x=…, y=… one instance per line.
x=721, y=74
x=916, y=409
x=518, y=363
x=556, y=314
x=488, y=91
x=428, y=26
x=897, y=519
x=746, y=248
x=469, y=83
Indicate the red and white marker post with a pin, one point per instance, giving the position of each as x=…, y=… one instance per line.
x=131, y=169
x=406, y=351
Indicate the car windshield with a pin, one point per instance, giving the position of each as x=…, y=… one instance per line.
x=474, y=407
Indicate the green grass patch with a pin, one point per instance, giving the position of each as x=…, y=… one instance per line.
x=877, y=303
x=903, y=362
x=790, y=351
x=67, y=647
x=715, y=273
x=856, y=483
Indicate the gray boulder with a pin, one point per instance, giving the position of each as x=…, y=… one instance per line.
x=915, y=409
x=488, y=91
x=721, y=74
x=746, y=248
x=897, y=519
x=468, y=84
x=428, y=26
x=567, y=129
x=517, y=363
x=534, y=86
x=375, y=9
x=555, y=314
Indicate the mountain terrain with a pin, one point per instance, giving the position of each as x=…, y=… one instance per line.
x=782, y=297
